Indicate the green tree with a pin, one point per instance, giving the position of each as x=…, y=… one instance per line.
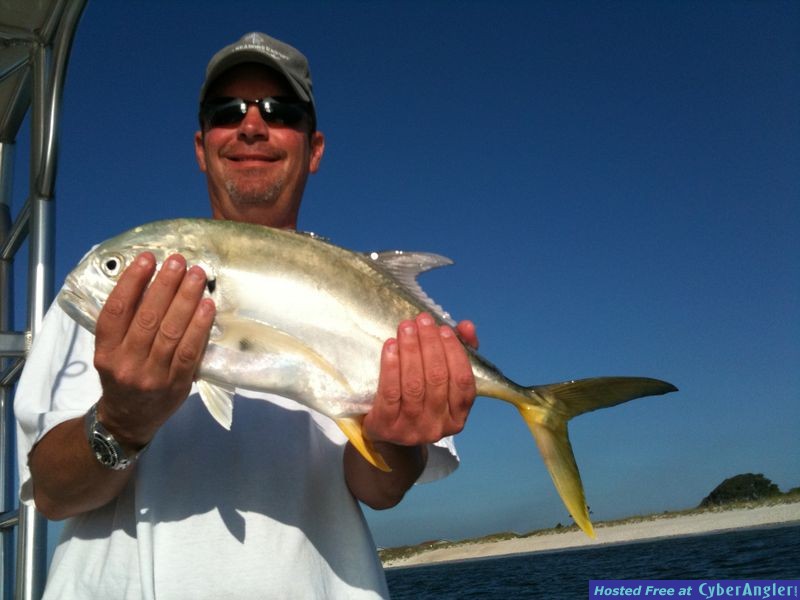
x=747, y=486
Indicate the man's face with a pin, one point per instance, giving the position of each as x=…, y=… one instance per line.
x=256, y=171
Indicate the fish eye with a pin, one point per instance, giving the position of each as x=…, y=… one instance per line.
x=112, y=265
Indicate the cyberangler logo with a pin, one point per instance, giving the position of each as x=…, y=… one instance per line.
x=693, y=589
x=746, y=589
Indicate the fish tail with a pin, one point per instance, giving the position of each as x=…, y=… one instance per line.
x=547, y=408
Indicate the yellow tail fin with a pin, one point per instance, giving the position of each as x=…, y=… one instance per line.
x=547, y=408
x=556, y=450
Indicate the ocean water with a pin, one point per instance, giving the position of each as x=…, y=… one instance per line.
x=764, y=553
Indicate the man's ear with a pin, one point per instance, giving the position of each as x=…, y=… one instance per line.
x=317, y=150
x=200, y=151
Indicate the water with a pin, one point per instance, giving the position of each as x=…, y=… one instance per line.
x=768, y=553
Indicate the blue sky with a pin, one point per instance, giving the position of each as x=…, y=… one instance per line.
x=617, y=182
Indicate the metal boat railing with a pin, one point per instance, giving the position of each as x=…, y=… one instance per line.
x=35, y=41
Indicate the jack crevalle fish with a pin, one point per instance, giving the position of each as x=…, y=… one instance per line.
x=307, y=319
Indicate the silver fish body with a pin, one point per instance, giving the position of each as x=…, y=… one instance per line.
x=306, y=319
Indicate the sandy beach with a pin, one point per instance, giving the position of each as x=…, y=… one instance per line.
x=654, y=527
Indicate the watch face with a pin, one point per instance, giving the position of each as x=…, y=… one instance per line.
x=105, y=451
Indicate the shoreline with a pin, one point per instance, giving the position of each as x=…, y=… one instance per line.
x=653, y=527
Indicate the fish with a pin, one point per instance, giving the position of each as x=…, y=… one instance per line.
x=299, y=316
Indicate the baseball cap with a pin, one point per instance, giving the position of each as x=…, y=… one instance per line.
x=257, y=47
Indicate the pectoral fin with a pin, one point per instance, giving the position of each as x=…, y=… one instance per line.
x=351, y=426
x=218, y=400
x=250, y=336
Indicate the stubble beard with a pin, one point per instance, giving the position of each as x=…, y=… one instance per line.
x=242, y=194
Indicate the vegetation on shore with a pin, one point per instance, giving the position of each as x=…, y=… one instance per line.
x=731, y=503
x=747, y=486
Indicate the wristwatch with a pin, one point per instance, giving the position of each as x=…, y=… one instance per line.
x=106, y=449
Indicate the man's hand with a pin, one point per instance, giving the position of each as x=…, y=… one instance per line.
x=426, y=387
x=149, y=343
x=425, y=392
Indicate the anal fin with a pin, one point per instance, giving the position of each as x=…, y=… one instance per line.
x=351, y=426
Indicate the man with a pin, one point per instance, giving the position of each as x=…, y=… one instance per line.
x=267, y=509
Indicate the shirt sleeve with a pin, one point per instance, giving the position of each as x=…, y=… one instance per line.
x=59, y=383
x=442, y=460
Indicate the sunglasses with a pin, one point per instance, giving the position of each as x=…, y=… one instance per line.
x=218, y=112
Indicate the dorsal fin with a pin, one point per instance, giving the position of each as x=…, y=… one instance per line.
x=404, y=267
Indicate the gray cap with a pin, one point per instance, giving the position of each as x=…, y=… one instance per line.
x=260, y=48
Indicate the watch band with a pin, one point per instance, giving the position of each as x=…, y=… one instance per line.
x=103, y=445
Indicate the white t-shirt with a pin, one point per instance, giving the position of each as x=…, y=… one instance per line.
x=261, y=511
